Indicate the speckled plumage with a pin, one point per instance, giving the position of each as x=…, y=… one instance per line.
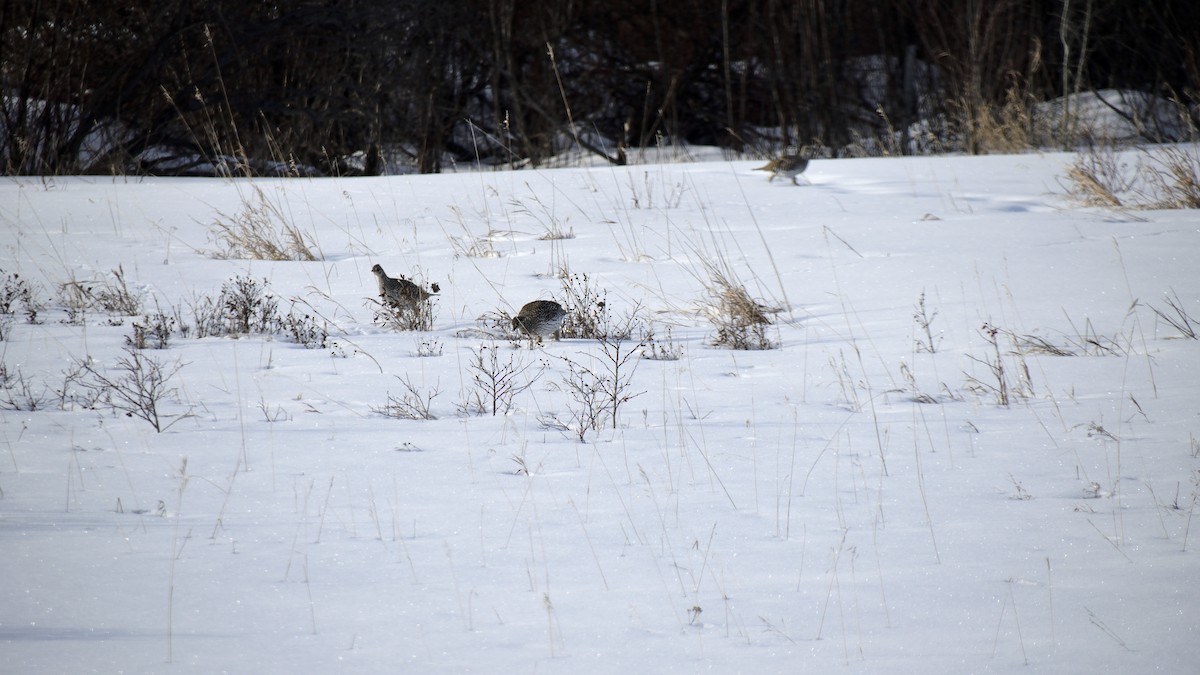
x=788, y=166
x=400, y=292
x=539, y=319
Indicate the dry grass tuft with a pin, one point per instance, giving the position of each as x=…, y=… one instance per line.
x=1174, y=175
x=418, y=316
x=1177, y=316
x=1005, y=129
x=261, y=231
x=1089, y=187
x=113, y=297
x=1098, y=178
x=470, y=245
x=413, y=403
x=740, y=320
x=1164, y=177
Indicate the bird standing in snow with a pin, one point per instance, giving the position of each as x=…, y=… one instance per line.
x=400, y=293
x=539, y=319
x=787, y=166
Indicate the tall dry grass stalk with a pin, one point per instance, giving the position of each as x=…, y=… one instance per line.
x=1004, y=128
x=261, y=231
x=1089, y=187
x=176, y=550
x=1174, y=174
x=1163, y=177
x=740, y=321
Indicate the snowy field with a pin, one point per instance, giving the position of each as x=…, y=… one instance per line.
x=974, y=446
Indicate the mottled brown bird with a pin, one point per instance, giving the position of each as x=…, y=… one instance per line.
x=400, y=292
x=539, y=319
x=787, y=166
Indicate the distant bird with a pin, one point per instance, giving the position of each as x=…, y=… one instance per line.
x=787, y=166
x=400, y=293
x=539, y=319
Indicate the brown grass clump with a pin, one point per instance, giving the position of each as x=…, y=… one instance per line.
x=114, y=297
x=1175, y=177
x=740, y=320
x=1090, y=187
x=1164, y=177
x=1004, y=129
x=261, y=231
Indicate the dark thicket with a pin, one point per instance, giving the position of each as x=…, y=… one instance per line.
x=336, y=86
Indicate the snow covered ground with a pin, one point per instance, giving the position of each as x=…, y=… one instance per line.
x=851, y=501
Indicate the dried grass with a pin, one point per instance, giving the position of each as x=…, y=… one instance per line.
x=1004, y=129
x=1164, y=177
x=417, y=316
x=1090, y=187
x=113, y=297
x=740, y=320
x=261, y=231
x=1174, y=175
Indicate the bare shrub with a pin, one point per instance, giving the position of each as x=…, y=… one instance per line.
x=603, y=384
x=584, y=386
x=137, y=390
x=17, y=291
x=999, y=384
x=261, y=231
x=73, y=392
x=429, y=347
x=417, y=316
x=660, y=347
x=207, y=318
x=245, y=306
x=308, y=331
x=107, y=295
x=152, y=331
x=18, y=392
x=411, y=404
x=496, y=382
x=588, y=314
x=248, y=307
